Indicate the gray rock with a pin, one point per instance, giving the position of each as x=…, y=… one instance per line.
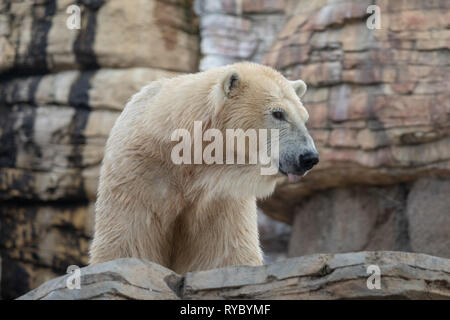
x=350, y=219
x=340, y=276
x=118, y=279
x=407, y=217
x=233, y=31
x=274, y=237
x=428, y=213
x=6, y=53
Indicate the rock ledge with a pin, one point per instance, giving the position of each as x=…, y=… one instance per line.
x=321, y=276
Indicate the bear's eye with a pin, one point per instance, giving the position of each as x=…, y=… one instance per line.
x=278, y=115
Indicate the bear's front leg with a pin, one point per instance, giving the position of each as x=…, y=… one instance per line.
x=132, y=229
x=223, y=234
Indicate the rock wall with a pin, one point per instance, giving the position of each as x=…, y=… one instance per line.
x=274, y=237
x=60, y=93
x=233, y=31
x=380, y=115
x=406, y=217
x=325, y=277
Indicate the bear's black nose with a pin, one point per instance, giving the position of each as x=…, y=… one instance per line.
x=308, y=160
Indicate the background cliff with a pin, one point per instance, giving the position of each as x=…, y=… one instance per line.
x=378, y=102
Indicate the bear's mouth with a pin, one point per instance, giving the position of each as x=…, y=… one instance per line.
x=292, y=177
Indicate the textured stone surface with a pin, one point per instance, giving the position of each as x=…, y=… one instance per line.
x=110, y=36
x=428, y=209
x=233, y=31
x=54, y=128
x=370, y=218
x=60, y=93
x=40, y=241
x=378, y=101
x=274, y=237
x=339, y=276
x=408, y=217
x=116, y=280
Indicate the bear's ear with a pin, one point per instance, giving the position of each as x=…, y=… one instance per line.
x=230, y=82
x=299, y=87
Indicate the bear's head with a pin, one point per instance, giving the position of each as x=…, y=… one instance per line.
x=253, y=96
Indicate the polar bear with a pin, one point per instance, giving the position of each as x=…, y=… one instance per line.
x=196, y=216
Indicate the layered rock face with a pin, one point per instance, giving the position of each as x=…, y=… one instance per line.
x=61, y=90
x=380, y=115
x=233, y=31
